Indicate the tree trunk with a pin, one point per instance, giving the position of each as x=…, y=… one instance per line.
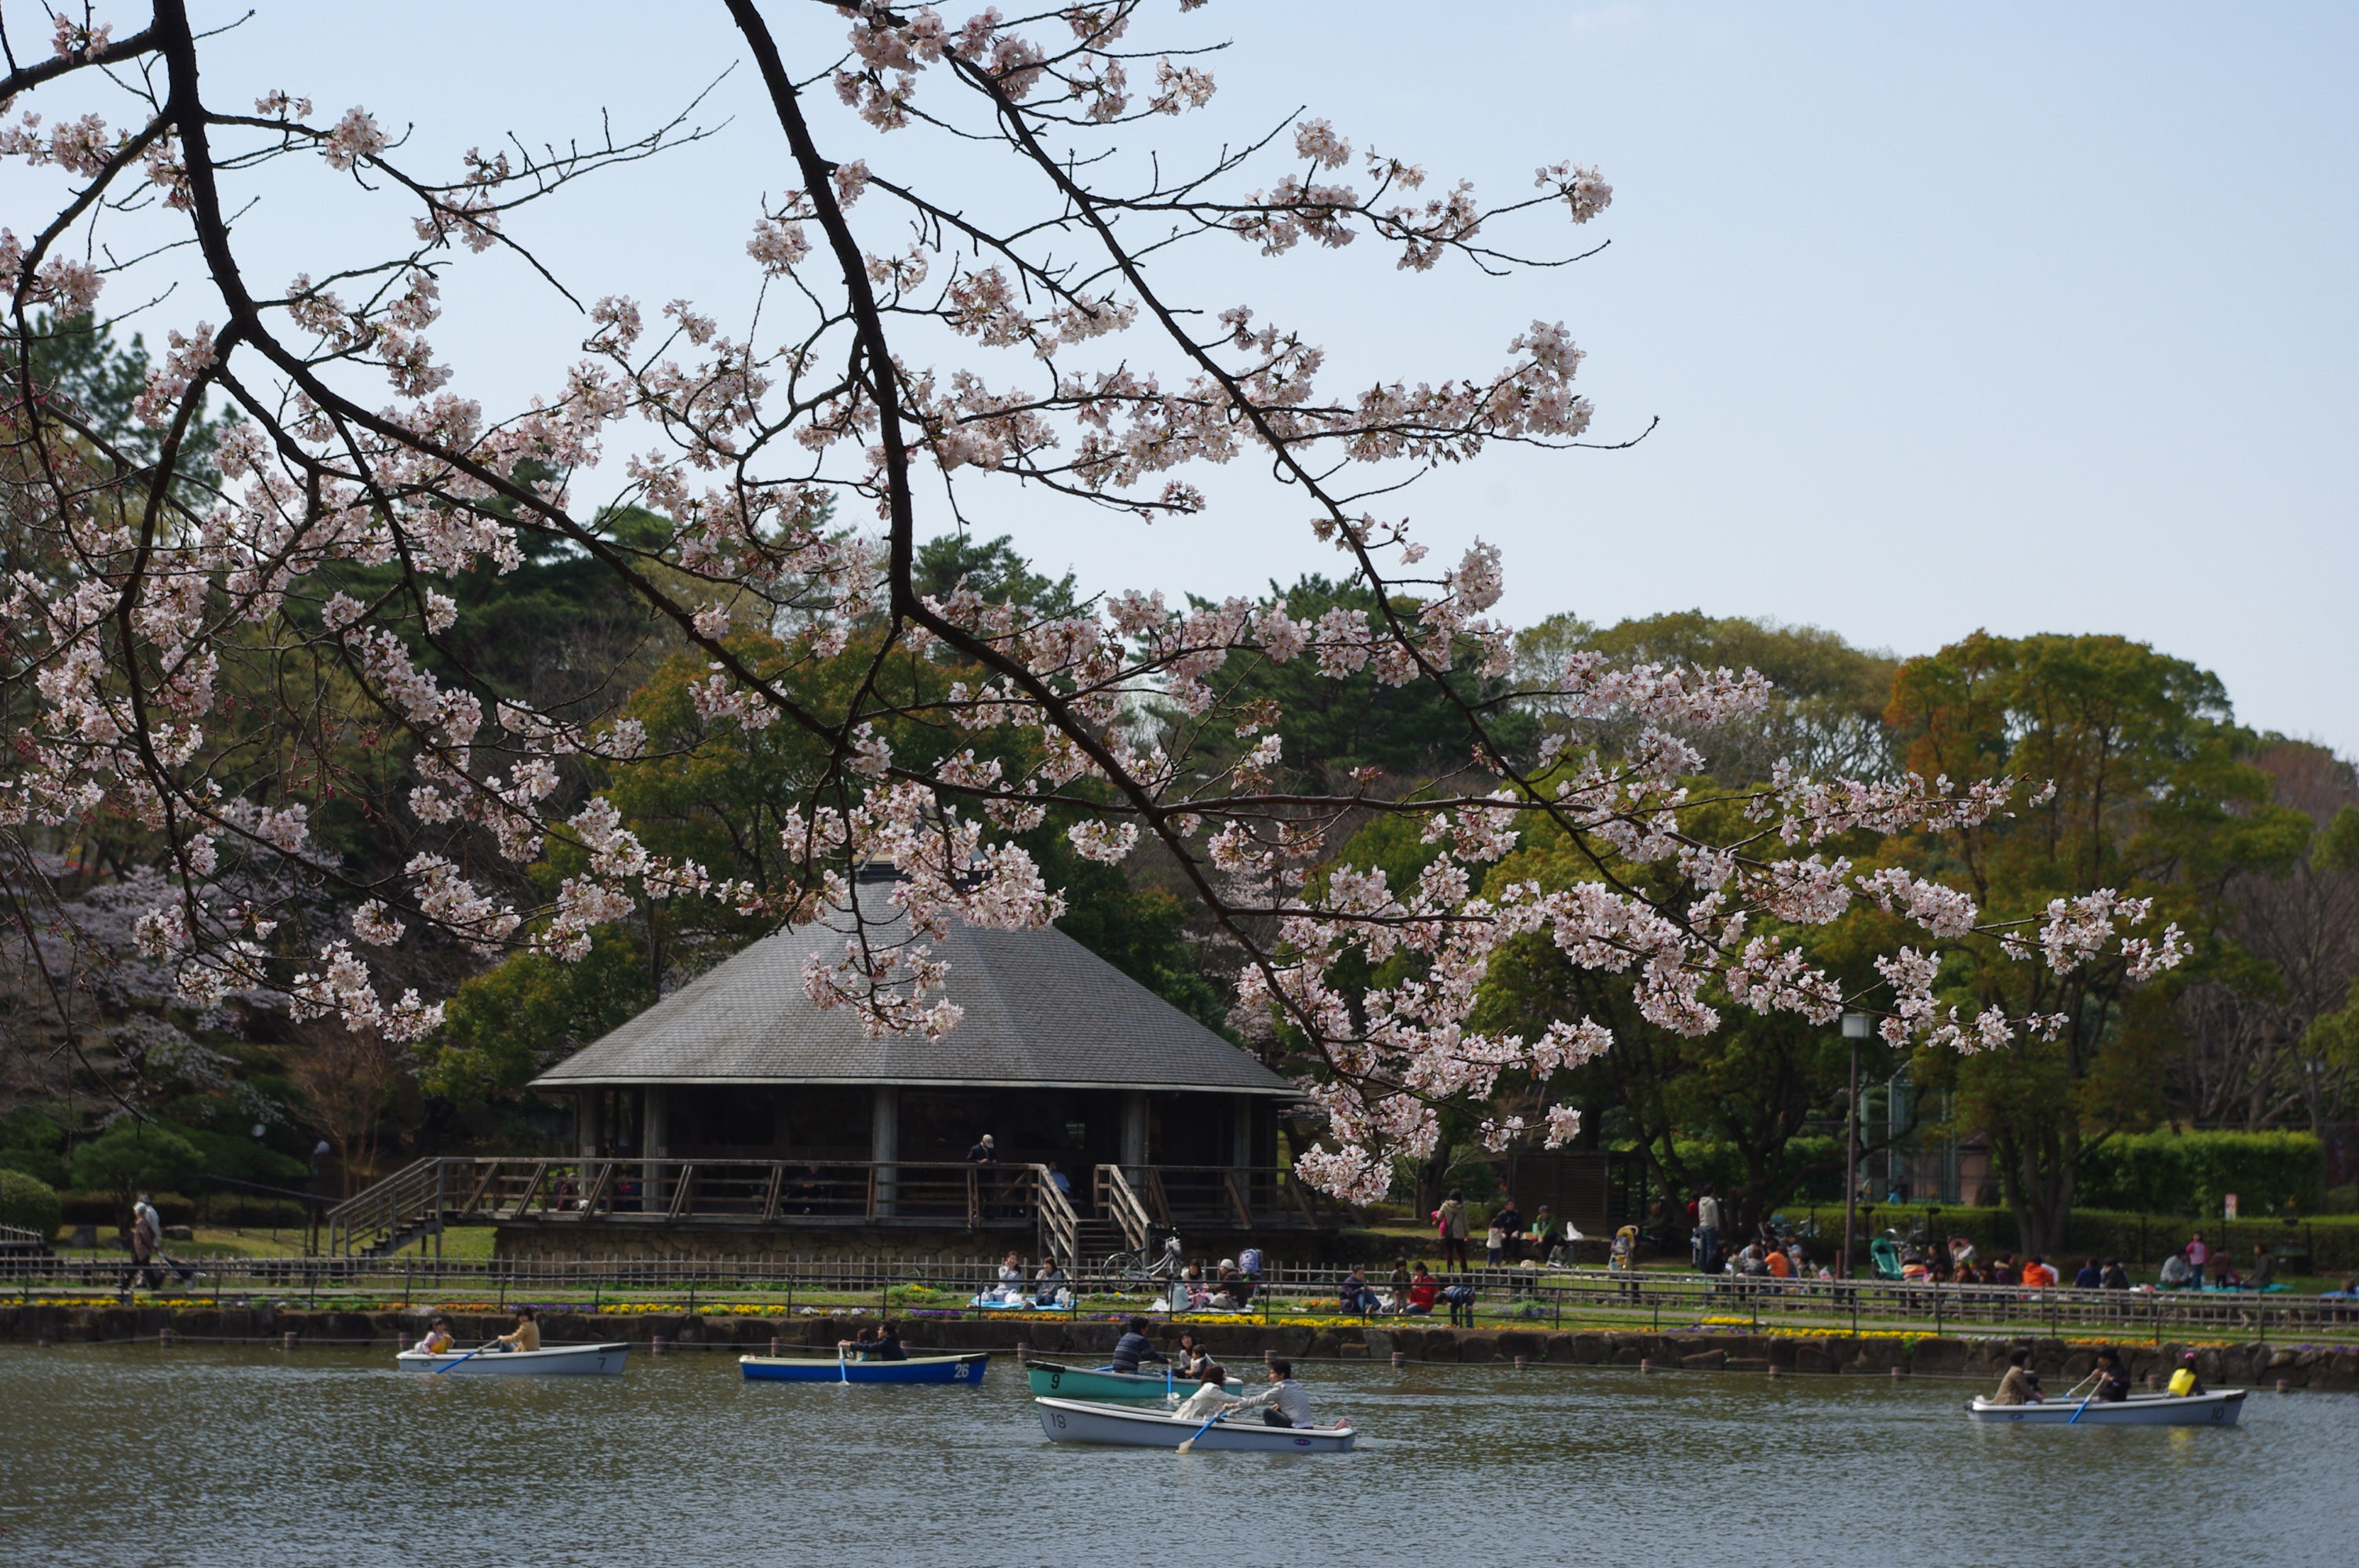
x=1431, y=1174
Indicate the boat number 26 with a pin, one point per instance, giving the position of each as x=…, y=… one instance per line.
x=961, y=1370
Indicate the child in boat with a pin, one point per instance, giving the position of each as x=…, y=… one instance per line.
x=526, y=1336
x=436, y=1338
x=2021, y=1384
x=2184, y=1383
x=1190, y=1358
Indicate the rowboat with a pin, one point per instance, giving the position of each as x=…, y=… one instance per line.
x=1073, y=1420
x=967, y=1367
x=1104, y=1383
x=577, y=1360
x=2218, y=1408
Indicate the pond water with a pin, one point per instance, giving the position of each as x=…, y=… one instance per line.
x=203, y=1456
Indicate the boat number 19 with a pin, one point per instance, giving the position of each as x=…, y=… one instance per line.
x=1060, y=1421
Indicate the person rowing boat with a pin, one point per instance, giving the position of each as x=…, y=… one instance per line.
x=885, y=1344
x=526, y=1336
x=1133, y=1348
x=1283, y=1403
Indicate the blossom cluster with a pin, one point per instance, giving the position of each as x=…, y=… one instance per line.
x=1080, y=380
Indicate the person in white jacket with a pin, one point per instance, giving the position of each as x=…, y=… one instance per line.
x=1283, y=1403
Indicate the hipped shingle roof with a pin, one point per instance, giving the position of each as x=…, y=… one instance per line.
x=1041, y=1011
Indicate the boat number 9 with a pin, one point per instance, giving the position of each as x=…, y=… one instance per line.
x=1056, y=1379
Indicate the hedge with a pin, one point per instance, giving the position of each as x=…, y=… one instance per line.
x=2193, y=1172
x=28, y=1204
x=108, y=1208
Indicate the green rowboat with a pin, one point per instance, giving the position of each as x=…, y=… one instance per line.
x=1047, y=1378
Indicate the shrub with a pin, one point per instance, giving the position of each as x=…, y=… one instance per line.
x=29, y=1205
x=114, y=1208
x=2193, y=1172
x=130, y=1155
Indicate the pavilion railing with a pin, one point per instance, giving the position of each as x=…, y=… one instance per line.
x=428, y=1195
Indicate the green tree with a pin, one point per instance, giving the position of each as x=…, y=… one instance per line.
x=2155, y=797
x=133, y=1154
x=1332, y=728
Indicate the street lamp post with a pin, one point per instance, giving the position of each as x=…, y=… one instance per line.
x=1855, y=1027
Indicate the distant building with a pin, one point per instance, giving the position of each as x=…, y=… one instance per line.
x=1059, y=1056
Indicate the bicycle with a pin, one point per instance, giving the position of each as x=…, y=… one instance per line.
x=1134, y=1271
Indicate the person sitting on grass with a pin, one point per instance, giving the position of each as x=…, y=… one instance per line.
x=1357, y=1295
x=2176, y=1274
x=1424, y=1290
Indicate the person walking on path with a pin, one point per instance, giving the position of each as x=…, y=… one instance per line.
x=2199, y=1255
x=1452, y=1220
x=1707, y=1235
x=147, y=1237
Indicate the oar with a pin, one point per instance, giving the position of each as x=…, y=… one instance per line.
x=1199, y=1432
x=843, y=1372
x=2084, y=1403
x=463, y=1360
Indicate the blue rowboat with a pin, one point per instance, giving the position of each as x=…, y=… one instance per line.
x=962, y=1369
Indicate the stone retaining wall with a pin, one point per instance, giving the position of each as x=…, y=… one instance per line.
x=2334, y=1367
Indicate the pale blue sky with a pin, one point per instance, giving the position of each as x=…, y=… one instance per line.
x=2033, y=318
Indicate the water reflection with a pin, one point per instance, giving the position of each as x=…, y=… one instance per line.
x=201, y=1455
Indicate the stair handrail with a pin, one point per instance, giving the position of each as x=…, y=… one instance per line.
x=382, y=1206
x=1116, y=1196
x=1060, y=1226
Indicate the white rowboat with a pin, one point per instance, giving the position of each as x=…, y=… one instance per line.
x=2218, y=1408
x=1073, y=1420
x=578, y=1360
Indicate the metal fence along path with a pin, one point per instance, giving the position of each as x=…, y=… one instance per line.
x=1511, y=1296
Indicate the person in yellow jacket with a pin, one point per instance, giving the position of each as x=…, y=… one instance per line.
x=526, y=1336
x=2184, y=1381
